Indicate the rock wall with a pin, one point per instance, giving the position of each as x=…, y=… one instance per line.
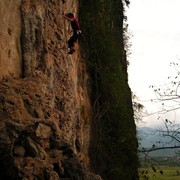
x=44, y=103
x=113, y=147
x=63, y=116
x=10, y=31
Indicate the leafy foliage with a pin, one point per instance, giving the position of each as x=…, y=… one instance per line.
x=138, y=109
x=114, y=144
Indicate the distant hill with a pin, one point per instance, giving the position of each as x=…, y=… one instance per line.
x=148, y=137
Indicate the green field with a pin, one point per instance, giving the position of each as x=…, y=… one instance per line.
x=167, y=173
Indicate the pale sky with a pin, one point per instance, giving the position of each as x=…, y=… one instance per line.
x=155, y=26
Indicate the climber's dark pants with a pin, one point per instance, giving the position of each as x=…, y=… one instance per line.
x=73, y=39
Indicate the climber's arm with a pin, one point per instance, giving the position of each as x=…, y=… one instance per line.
x=66, y=17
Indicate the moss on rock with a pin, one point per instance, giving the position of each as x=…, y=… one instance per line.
x=113, y=148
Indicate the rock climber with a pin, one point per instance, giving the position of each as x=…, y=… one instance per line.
x=76, y=31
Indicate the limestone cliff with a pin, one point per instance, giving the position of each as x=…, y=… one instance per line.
x=46, y=95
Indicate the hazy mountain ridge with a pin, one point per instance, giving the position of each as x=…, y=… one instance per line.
x=149, y=137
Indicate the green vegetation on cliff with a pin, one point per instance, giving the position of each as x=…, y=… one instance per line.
x=113, y=149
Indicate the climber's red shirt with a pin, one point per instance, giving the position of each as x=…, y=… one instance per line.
x=75, y=24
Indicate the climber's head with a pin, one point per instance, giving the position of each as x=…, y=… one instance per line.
x=70, y=15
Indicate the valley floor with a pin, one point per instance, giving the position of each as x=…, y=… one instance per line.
x=162, y=173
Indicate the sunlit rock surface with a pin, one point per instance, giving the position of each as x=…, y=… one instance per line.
x=44, y=103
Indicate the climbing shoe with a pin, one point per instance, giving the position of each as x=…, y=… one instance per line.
x=70, y=52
